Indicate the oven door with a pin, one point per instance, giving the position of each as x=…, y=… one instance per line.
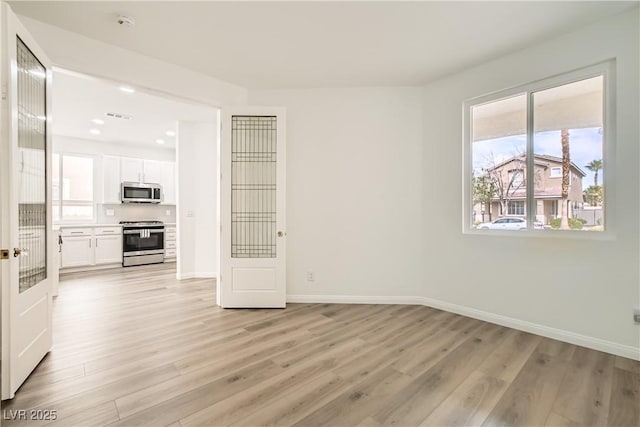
x=143, y=241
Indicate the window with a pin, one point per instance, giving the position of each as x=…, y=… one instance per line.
x=72, y=195
x=516, y=178
x=516, y=207
x=538, y=151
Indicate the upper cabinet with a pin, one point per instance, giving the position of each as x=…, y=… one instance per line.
x=168, y=182
x=131, y=170
x=111, y=179
x=123, y=169
x=152, y=173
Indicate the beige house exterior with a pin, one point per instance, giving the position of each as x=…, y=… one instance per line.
x=510, y=176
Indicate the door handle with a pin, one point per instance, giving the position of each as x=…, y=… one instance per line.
x=20, y=251
x=281, y=234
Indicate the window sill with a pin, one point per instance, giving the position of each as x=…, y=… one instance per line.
x=546, y=234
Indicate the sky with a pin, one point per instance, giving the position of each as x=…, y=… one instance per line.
x=585, y=146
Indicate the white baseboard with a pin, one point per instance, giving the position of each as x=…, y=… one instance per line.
x=354, y=299
x=521, y=325
x=197, y=275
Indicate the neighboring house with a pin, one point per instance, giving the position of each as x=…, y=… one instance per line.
x=510, y=196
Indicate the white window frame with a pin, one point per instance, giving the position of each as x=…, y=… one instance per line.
x=551, y=175
x=509, y=206
x=607, y=70
x=93, y=202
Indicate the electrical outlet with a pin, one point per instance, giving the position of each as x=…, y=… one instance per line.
x=311, y=276
x=636, y=315
x=109, y=212
x=168, y=212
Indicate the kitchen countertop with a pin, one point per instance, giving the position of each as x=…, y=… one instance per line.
x=84, y=225
x=59, y=226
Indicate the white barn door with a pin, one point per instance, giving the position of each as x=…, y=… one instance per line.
x=252, y=208
x=25, y=211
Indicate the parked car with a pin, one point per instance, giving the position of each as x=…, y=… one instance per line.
x=509, y=223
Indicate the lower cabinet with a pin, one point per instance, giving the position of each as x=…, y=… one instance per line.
x=89, y=246
x=170, y=244
x=77, y=251
x=108, y=249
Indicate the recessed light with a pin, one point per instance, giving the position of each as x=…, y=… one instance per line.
x=127, y=89
x=98, y=121
x=160, y=141
x=170, y=133
x=94, y=131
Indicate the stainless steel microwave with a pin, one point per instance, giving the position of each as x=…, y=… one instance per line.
x=135, y=192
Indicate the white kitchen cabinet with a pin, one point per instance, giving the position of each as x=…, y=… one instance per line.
x=77, y=251
x=108, y=249
x=125, y=169
x=89, y=246
x=168, y=183
x=111, y=179
x=131, y=170
x=152, y=172
x=170, y=244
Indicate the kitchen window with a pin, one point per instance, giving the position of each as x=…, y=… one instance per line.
x=72, y=185
x=539, y=151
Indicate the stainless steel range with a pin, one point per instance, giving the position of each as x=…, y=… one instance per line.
x=142, y=242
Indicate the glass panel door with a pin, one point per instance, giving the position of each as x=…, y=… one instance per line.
x=32, y=190
x=253, y=186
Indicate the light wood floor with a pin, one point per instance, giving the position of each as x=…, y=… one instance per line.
x=137, y=347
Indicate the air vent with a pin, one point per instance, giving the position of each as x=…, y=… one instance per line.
x=119, y=116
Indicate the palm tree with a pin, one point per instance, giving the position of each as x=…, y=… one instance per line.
x=595, y=166
x=566, y=165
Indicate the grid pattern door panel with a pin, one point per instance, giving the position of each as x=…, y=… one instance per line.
x=32, y=211
x=253, y=186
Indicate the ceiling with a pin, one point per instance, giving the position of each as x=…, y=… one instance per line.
x=323, y=44
x=79, y=99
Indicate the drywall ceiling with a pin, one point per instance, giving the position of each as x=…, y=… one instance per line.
x=323, y=44
x=78, y=100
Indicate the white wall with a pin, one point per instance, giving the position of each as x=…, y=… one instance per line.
x=353, y=189
x=197, y=169
x=79, y=53
x=583, y=287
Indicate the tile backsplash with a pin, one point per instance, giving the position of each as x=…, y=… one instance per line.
x=114, y=213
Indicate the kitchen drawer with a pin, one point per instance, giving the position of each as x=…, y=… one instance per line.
x=108, y=230
x=170, y=253
x=170, y=245
x=76, y=231
x=170, y=236
x=170, y=230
